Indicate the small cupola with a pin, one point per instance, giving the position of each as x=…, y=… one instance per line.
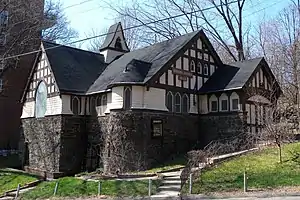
x=114, y=44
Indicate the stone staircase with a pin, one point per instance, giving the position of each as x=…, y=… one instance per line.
x=171, y=185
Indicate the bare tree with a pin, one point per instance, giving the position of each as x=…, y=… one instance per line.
x=223, y=22
x=60, y=29
x=274, y=123
x=278, y=40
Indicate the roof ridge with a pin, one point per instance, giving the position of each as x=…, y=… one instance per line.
x=61, y=45
x=194, y=32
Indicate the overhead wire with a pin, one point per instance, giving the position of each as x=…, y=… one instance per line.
x=128, y=28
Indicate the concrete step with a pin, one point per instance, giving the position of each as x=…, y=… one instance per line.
x=172, y=181
x=169, y=188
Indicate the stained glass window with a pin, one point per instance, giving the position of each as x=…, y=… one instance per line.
x=127, y=98
x=177, y=103
x=93, y=106
x=41, y=100
x=185, y=104
x=170, y=101
x=75, y=106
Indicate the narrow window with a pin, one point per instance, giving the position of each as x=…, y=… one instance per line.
x=157, y=128
x=118, y=44
x=185, y=104
x=98, y=102
x=224, y=105
x=103, y=104
x=41, y=100
x=199, y=67
x=170, y=101
x=205, y=69
x=93, y=106
x=192, y=66
x=214, y=106
x=75, y=106
x=177, y=103
x=235, y=104
x=127, y=98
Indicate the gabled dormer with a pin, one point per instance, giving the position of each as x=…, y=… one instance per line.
x=114, y=44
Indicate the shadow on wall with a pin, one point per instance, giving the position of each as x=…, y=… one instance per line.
x=127, y=141
x=215, y=126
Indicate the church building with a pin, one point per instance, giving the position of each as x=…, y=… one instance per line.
x=83, y=110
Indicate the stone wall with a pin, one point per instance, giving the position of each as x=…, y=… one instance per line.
x=221, y=125
x=56, y=144
x=180, y=134
x=73, y=144
x=43, y=139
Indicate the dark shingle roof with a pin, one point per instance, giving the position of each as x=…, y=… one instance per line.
x=74, y=69
x=233, y=76
x=110, y=36
x=146, y=63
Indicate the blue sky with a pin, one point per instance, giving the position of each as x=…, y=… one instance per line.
x=96, y=15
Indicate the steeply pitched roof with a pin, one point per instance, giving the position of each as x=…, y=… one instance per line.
x=110, y=36
x=144, y=63
x=233, y=76
x=74, y=69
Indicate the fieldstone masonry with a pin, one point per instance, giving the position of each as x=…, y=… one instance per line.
x=69, y=144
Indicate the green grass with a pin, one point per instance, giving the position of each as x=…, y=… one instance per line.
x=263, y=169
x=173, y=163
x=10, y=179
x=72, y=187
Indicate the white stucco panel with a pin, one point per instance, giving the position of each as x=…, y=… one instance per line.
x=154, y=99
x=54, y=106
x=117, y=98
x=137, y=97
x=66, y=104
x=28, y=110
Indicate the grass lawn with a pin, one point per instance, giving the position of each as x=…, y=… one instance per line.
x=172, y=163
x=72, y=187
x=263, y=169
x=10, y=179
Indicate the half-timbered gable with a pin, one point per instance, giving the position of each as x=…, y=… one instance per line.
x=42, y=91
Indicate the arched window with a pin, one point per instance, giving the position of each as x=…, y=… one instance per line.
x=127, y=98
x=192, y=66
x=185, y=104
x=213, y=103
x=93, y=106
x=98, y=101
x=103, y=104
x=41, y=100
x=118, y=44
x=199, y=68
x=205, y=69
x=75, y=106
x=104, y=100
x=170, y=101
x=177, y=103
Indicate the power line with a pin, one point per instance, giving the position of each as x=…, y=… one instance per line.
x=77, y=4
x=128, y=28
